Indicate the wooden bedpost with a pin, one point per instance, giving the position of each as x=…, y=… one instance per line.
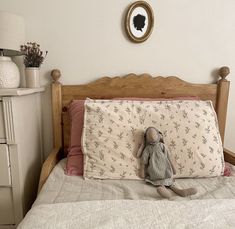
x=55, y=154
x=222, y=99
x=56, y=107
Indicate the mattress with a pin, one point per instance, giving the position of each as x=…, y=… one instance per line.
x=60, y=188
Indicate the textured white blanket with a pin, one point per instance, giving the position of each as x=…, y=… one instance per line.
x=136, y=214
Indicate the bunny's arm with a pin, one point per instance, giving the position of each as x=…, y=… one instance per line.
x=168, y=156
x=145, y=156
x=140, y=150
x=172, y=165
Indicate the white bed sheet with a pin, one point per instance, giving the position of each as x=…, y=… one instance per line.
x=60, y=188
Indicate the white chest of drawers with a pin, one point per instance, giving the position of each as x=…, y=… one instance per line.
x=20, y=152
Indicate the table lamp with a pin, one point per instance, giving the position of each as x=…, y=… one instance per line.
x=12, y=36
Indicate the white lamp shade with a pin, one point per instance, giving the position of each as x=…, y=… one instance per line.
x=12, y=33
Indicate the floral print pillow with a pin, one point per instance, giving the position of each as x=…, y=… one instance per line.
x=113, y=131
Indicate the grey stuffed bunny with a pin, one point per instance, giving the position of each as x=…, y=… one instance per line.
x=159, y=169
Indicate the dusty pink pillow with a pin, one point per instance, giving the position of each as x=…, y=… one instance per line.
x=159, y=99
x=228, y=169
x=74, y=166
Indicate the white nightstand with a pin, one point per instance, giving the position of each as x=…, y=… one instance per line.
x=20, y=152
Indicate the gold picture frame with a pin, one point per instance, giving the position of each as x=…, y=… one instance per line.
x=139, y=21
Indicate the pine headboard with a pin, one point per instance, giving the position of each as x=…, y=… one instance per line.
x=131, y=85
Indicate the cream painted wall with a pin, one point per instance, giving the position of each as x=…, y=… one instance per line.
x=86, y=40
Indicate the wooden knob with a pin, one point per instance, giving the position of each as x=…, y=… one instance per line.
x=55, y=75
x=223, y=72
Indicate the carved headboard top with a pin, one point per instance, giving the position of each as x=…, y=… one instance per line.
x=132, y=85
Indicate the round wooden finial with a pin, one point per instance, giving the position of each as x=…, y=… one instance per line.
x=55, y=75
x=223, y=72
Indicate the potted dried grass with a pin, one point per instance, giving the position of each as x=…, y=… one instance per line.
x=33, y=58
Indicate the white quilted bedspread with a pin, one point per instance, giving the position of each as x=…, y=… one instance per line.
x=138, y=214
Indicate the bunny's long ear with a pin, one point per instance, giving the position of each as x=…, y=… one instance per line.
x=141, y=148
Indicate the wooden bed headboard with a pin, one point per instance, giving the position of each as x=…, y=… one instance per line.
x=144, y=86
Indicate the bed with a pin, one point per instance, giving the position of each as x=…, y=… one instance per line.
x=72, y=202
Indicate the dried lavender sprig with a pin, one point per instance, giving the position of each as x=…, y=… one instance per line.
x=33, y=56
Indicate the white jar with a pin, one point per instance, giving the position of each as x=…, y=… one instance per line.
x=9, y=73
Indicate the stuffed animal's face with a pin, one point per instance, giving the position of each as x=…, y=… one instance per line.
x=152, y=135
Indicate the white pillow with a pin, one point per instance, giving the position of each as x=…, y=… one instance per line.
x=113, y=131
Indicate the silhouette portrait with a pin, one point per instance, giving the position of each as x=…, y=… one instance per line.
x=139, y=22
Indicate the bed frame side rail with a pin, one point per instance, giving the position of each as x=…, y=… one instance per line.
x=51, y=161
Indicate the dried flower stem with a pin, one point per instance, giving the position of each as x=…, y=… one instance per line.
x=33, y=56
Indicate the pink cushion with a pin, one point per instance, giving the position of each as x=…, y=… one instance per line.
x=74, y=166
x=228, y=169
x=159, y=99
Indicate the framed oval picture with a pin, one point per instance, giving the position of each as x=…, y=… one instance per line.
x=139, y=21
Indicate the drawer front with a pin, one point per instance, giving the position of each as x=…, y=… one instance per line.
x=2, y=127
x=5, y=170
x=6, y=206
